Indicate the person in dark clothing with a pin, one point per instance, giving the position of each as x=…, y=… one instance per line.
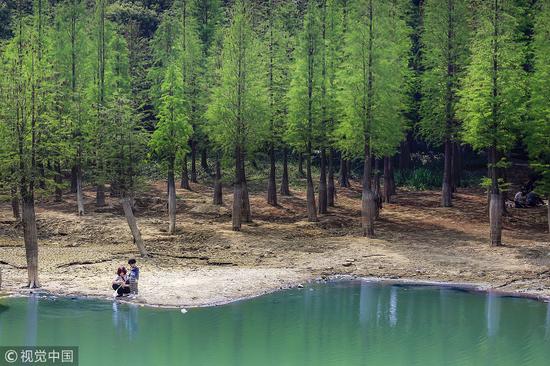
x=120, y=282
x=133, y=276
x=533, y=200
x=520, y=199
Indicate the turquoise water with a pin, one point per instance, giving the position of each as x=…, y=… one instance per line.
x=342, y=323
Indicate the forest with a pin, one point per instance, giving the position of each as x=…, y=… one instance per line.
x=113, y=94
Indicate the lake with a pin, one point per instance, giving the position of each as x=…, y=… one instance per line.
x=337, y=323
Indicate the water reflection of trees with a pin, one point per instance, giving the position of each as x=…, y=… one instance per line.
x=31, y=325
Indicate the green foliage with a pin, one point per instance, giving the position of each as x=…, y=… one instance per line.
x=445, y=39
x=304, y=95
x=332, y=19
x=173, y=128
x=537, y=129
x=190, y=56
x=486, y=183
x=372, y=78
x=279, y=43
x=421, y=179
x=208, y=14
x=163, y=46
x=238, y=106
x=29, y=111
x=492, y=100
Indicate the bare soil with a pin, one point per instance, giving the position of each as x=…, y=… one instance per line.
x=207, y=263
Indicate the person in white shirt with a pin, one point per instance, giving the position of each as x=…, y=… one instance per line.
x=120, y=282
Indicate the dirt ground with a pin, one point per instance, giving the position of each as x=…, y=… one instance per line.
x=207, y=263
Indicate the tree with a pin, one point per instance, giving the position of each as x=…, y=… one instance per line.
x=445, y=41
x=372, y=95
x=305, y=97
x=238, y=104
x=333, y=31
x=172, y=131
x=190, y=56
x=208, y=14
x=538, y=127
x=279, y=47
x=70, y=53
x=98, y=92
x=211, y=77
x=27, y=65
x=127, y=141
x=491, y=99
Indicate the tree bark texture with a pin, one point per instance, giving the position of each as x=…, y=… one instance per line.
x=132, y=223
x=323, y=191
x=285, y=189
x=271, y=185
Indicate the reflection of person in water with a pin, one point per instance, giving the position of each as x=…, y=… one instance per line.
x=125, y=318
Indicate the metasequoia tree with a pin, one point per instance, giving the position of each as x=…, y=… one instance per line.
x=238, y=105
x=372, y=89
x=305, y=97
x=445, y=41
x=491, y=98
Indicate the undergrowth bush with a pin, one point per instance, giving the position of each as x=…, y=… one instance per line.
x=419, y=179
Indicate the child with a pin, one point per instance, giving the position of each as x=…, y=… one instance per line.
x=133, y=277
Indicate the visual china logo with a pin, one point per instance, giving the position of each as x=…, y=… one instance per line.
x=50, y=355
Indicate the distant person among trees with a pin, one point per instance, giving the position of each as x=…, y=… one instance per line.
x=520, y=199
x=533, y=200
x=526, y=198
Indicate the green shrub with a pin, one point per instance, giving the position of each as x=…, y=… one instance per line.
x=419, y=179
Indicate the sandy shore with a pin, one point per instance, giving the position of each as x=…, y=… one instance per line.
x=205, y=263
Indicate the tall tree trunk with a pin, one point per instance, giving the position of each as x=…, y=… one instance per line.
x=331, y=189
x=344, y=181
x=271, y=185
x=285, y=189
x=79, y=194
x=368, y=199
x=114, y=189
x=495, y=218
x=393, y=190
x=246, y=213
x=31, y=239
x=218, y=191
x=42, y=175
x=323, y=191
x=237, y=192
x=15, y=203
x=548, y=210
x=447, y=188
x=496, y=203
x=204, y=161
x=405, y=153
x=310, y=193
x=100, y=195
x=129, y=213
x=387, y=179
x=171, y=199
x=73, y=179
x=301, y=165
x=456, y=165
x=58, y=182
x=193, y=161
x=184, y=174
x=376, y=189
